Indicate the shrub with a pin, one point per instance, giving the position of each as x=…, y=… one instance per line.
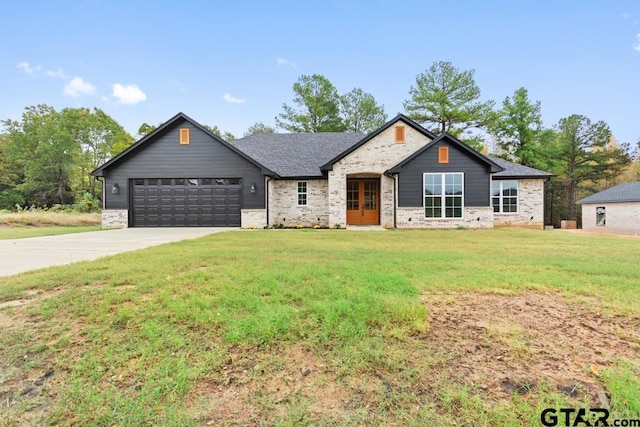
x=10, y=199
x=87, y=203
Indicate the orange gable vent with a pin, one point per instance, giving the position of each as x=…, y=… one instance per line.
x=399, y=133
x=184, y=136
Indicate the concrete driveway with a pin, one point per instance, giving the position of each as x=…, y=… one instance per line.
x=20, y=255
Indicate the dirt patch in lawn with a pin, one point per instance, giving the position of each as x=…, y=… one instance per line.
x=505, y=344
x=253, y=387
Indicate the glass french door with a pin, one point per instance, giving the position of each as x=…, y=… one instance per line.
x=363, y=201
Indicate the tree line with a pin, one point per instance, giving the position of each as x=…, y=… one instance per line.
x=47, y=156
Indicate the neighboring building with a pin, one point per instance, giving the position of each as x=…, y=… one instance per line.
x=400, y=176
x=614, y=210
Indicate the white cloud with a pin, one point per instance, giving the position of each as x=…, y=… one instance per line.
x=637, y=46
x=27, y=68
x=59, y=74
x=77, y=87
x=283, y=61
x=129, y=94
x=227, y=97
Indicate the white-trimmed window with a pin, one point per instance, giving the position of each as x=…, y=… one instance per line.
x=504, y=196
x=443, y=195
x=302, y=193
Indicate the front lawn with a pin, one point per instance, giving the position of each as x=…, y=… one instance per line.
x=22, y=232
x=327, y=327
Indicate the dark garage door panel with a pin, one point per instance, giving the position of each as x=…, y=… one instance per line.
x=180, y=202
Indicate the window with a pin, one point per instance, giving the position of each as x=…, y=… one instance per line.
x=443, y=155
x=504, y=196
x=184, y=136
x=302, y=193
x=443, y=195
x=399, y=133
x=600, y=216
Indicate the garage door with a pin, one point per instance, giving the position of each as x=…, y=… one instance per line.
x=186, y=202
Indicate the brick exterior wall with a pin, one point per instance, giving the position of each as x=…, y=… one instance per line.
x=472, y=217
x=283, y=203
x=620, y=218
x=115, y=218
x=530, y=205
x=253, y=218
x=370, y=161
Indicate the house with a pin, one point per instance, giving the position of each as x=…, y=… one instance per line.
x=614, y=210
x=400, y=175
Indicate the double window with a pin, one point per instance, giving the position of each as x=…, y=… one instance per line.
x=443, y=195
x=302, y=193
x=504, y=196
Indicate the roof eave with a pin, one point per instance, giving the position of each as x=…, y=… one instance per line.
x=541, y=176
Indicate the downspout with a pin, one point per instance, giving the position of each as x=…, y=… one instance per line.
x=395, y=201
x=104, y=190
x=266, y=195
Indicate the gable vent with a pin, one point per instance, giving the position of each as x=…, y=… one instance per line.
x=184, y=136
x=399, y=134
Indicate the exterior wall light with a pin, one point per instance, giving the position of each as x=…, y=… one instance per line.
x=115, y=189
x=254, y=187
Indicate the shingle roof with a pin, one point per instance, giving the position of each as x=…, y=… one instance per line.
x=296, y=155
x=627, y=192
x=514, y=170
x=301, y=155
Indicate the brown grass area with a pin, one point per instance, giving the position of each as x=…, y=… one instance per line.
x=47, y=219
x=503, y=344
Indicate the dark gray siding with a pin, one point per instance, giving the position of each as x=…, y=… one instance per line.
x=476, y=176
x=164, y=157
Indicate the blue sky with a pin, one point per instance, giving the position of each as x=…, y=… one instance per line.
x=231, y=64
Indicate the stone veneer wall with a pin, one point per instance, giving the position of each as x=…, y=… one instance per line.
x=620, y=218
x=283, y=203
x=253, y=218
x=473, y=217
x=530, y=206
x=372, y=160
x=115, y=218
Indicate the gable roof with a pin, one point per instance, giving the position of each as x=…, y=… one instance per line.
x=627, y=192
x=451, y=140
x=514, y=170
x=143, y=142
x=296, y=155
x=400, y=117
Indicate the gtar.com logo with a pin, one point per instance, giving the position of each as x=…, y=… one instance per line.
x=582, y=417
x=570, y=417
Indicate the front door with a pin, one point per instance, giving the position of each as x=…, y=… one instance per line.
x=363, y=201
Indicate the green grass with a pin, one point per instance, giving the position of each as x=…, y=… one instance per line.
x=22, y=232
x=155, y=337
